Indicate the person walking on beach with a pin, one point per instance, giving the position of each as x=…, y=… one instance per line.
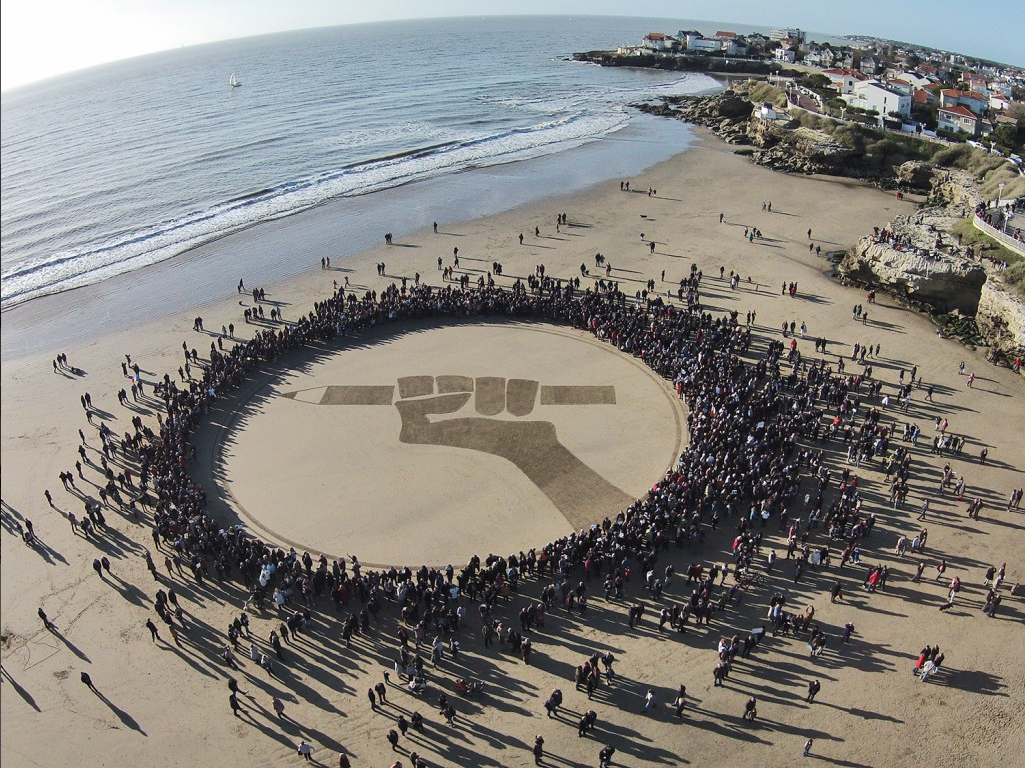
x=305, y=749
x=539, y=749
x=45, y=619
x=649, y=700
x=813, y=688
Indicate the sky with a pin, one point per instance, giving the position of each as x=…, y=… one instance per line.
x=42, y=38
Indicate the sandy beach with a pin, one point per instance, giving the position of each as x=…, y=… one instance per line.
x=341, y=472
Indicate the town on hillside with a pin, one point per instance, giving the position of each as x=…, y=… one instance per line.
x=886, y=84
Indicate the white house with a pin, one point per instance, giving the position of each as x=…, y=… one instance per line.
x=736, y=46
x=823, y=57
x=767, y=112
x=873, y=95
x=916, y=80
x=998, y=103
x=698, y=43
x=901, y=86
x=844, y=79
x=785, y=54
x=976, y=102
x=656, y=41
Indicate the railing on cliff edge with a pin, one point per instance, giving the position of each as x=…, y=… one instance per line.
x=1001, y=237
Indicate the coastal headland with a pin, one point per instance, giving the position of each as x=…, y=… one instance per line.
x=342, y=444
x=931, y=260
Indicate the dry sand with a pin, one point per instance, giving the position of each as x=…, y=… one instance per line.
x=289, y=466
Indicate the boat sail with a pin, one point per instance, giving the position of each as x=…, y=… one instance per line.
x=233, y=82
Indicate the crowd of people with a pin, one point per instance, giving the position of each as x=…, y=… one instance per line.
x=754, y=427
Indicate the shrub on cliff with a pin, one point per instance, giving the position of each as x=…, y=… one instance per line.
x=851, y=136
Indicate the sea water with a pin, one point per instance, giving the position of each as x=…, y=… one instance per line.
x=117, y=167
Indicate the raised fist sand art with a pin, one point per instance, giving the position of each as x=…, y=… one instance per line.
x=435, y=411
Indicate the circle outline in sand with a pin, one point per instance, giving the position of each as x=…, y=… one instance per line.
x=218, y=464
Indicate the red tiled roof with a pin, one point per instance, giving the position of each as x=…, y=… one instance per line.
x=960, y=111
x=920, y=97
x=845, y=73
x=725, y=34
x=655, y=36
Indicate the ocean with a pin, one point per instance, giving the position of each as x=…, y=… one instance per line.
x=114, y=168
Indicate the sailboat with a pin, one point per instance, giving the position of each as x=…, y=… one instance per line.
x=234, y=83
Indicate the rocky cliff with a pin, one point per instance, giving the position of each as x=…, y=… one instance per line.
x=785, y=145
x=943, y=282
x=1001, y=319
x=919, y=262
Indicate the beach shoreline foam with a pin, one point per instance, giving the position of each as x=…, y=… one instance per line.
x=340, y=228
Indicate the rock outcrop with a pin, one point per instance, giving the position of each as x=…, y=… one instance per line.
x=725, y=114
x=779, y=144
x=1001, y=319
x=943, y=282
x=929, y=271
x=915, y=175
x=796, y=149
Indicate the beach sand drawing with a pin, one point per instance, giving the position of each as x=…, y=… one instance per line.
x=533, y=446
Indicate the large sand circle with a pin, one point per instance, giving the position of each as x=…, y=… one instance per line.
x=427, y=444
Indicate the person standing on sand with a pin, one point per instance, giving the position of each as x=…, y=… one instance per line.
x=539, y=749
x=681, y=700
x=305, y=749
